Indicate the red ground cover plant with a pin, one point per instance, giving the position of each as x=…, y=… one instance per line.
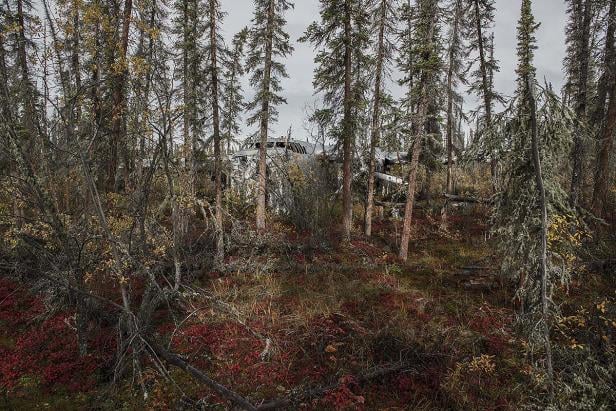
x=45, y=351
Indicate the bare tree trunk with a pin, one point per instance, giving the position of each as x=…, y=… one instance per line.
x=220, y=245
x=412, y=178
x=450, y=91
x=75, y=62
x=607, y=78
x=577, y=177
x=602, y=173
x=544, y=233
x=119, y=98
x=487, y=90
x=267, y=75
x=347, y=132
x=376, y=118
x=606, y=90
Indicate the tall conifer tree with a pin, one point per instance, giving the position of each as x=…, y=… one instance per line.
x=425, y=69
x=384, y=28
x=340, y=42
x=268, y=43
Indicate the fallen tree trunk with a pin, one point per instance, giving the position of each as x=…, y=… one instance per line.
x=311, y=393
x=178, y=361
x=462, y=199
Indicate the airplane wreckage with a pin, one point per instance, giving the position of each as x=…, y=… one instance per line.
x=289, y=160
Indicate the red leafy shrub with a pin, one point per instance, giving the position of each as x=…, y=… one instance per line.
x=495, y=326
x=47, y=351
x=16, y=306
x=343, y=397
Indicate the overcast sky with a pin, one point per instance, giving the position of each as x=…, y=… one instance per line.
x=298, y=87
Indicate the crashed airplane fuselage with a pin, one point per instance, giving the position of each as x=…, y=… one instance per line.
x=282, y=153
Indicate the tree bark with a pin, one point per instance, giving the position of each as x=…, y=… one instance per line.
x=267, y=75
x=608, y=76
x=376, y=118
x=606, y=144
x=606, y=90
x=450, y=92
x=119, y=98
x=220, y=245
x=544, y=232
x=487, y=90
x=347, y=132
x=583, y=57
x=412, y=179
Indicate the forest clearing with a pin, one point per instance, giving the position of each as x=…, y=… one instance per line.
x=433, y=231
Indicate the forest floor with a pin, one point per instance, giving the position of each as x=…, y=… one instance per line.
x=350, y=324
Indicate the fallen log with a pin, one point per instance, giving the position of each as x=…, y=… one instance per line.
x=300, y=395
x=176, y=360
x=462, y=199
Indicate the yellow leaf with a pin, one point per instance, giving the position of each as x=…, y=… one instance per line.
x=330, y=348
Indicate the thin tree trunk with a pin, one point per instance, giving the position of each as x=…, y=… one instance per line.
x=187, y=146
x=487, y=90
x=607, y=77
x=119, y=98
x=450, y=92
x=347, y=132
x=606, y=90
x=267, y=75
x=220, y=245
x=27, y=88
x=544, y=233
x=376, y=118
x=412, y=179
x=75, y=62
x=577, y=177
x=602, y=173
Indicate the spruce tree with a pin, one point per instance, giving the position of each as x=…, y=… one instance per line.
x=188, y=29
x=232, y=96
x=215, y=51
x=577, y=67
x=422, y=72
x=479, y=22
x=455, y=77
x=340, y=40
x=268, y=43
x=604, y=116
x=531, y=200
x=384, y=28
